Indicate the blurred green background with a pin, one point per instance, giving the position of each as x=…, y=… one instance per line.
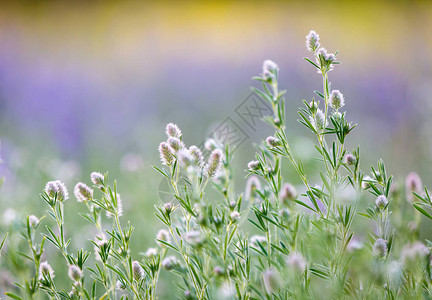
x=89, y=86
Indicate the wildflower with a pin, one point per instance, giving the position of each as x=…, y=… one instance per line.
x=185, y=158
x=272, y=141
x=380, y=248
x=413, y=183
x=57, y=189
x=175, y=144
x=137, y=270
x=82, y=192
x=172, y=130
x=256, y=240
x=296, y=261
x=271, y=281
x=33, y=221
x=151, y=252
x=337, y=99
x=414, y=251
x=165, y=154
x=381, y=201
x=312, y=41
x=288, y=193
x=324, y=60
x=75, y=273
x=170, y=263
x=349, y=159
x=235, y=216
x=252, y=185
x=214, y=163
x=97, y=178
x=269, y=70
x=194, y=238
x=197, y=156
x=320, y=119
x=254, y=165
x=163, y=235
x=45, y=270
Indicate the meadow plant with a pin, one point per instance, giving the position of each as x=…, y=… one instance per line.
x=329, y=229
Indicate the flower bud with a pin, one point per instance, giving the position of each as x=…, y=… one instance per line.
x=349, y=159
x=82, y=192
x=33, y=221
x=175, y=144
x=170, y=263
x=137, y=270
x=164, y=236
x=271, y=281
x=380, y=248
x=254, y=165
x=312, y=41
x=45, y=270
x=75, y=273
x=297, y=262
x=413, y=183
x=252, y=185
x=235, y=216
x=381, y=201
x=337, y=99
x=56, y=189
x=172, y=130
x=151, y=252
x=273, y=142
x=97, y=178
x=165, y=154
x=214, y=163
x=197, y=155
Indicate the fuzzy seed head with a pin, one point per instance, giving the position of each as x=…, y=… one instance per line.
x=82, y=192
x=214, y=163
x=288, y=193
x=75, y=273
x=33, y=221
x=235, y=216
x=197, y=156
x=381, y=201
x=297, y=262
x=97, y=178
x=151, y=252
x=53, y=188
x=269, y=69
x=271, y=281
x=172, y=130
x=165, y=154
x=254, y=165
x=45, y=270
x=163, y=235
x=312, y=41
x=272, y=142
x=137, y=270
x=380, y=248
x=320, y=119
x=349, y=159
x=170, y=263
x=175, y=144
x=337, y=99
x=185, y=158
